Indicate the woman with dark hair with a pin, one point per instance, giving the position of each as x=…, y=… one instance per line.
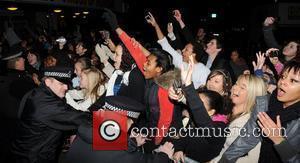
x=289, y=51
x=82, y=49
x=278, y=114
x=156, y=67
x=126, y=76
x=205, y=108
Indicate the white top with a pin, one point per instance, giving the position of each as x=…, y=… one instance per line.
x=235, y=127
x=84, y=103
x=200, y=72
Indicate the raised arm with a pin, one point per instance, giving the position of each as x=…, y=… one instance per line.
x=177, y=58
x=268, y=33
x=136, y=51
x=153, y=22
x=185, y=31
x=198, y=110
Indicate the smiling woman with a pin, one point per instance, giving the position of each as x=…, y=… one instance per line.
x=281, y=113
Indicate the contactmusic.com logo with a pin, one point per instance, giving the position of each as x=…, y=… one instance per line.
x=109, y=130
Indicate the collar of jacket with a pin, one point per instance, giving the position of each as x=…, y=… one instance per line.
x=15, y=73
x=166, y=79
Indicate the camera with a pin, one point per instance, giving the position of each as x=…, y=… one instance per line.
x=177, y=86
x=104, y=34
x=274, y=54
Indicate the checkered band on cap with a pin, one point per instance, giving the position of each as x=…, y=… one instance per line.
x=58, y=74
x=131, y=114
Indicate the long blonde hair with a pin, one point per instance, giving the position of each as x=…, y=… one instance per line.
x=255, y=87
x=95, y=79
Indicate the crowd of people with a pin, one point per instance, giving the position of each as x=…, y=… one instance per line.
x=51, y=86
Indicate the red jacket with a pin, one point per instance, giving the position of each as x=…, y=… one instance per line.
x=166, y=108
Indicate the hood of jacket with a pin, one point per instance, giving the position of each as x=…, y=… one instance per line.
x=167, y=79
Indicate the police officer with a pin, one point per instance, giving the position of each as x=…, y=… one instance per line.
x=82, y=149
x=44, y=118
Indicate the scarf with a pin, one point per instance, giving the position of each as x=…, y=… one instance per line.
x=268, y=153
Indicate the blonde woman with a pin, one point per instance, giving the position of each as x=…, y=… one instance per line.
x=92, y=84
x=243, y=95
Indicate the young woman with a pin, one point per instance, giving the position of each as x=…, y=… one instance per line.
x=155, y=66
x=205, y=107
x=281, y=114
x=219, y=81
x=92, y=84
x=243, y=96
x=80, y=65
x=290, y=50
x=33, y=60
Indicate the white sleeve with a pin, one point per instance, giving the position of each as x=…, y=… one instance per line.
x=108, y=69
x=83, y=106
x=177, y=58
x=75, y=94
x=108, y=52
x=172, y=36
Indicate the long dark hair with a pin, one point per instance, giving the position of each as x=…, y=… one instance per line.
x=127, y=60
x=215, y=100
x=163, y=59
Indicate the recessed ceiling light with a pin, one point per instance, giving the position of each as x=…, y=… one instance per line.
x=12, y=8
x=57, y=10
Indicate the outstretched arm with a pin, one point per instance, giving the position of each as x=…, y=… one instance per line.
x=185, y=31
x=177, y=58
x=135, y=51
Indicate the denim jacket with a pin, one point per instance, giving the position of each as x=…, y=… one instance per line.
x=289, y=150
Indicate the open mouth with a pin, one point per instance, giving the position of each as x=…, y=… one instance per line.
x=280, y=92
x=235, y=95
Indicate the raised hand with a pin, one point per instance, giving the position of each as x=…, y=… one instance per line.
x=271, y=129
x=178, y=156
x=269, y=21
x=177, y=15
x=167, y=148
x=177, y=96
x=151, y=20
x=186, y=74
x=170, y=28
x=271, y=50
x=110, y=18
x=260, y=61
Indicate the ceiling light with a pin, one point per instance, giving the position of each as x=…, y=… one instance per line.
x=57, y=10
x=77, y=13
x=85, y=12
x=12, y=8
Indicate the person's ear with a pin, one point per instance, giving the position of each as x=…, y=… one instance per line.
x=158, y=69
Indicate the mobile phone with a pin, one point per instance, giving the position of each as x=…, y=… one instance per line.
x=104, y=34
x=274, y=54
x=177, y=86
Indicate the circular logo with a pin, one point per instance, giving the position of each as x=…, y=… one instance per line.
x=110, y=130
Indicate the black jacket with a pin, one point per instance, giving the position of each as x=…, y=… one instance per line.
x=12, y=86
x=205, y=144
x=43, y=119
x=82, y=151
x=136, y=86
